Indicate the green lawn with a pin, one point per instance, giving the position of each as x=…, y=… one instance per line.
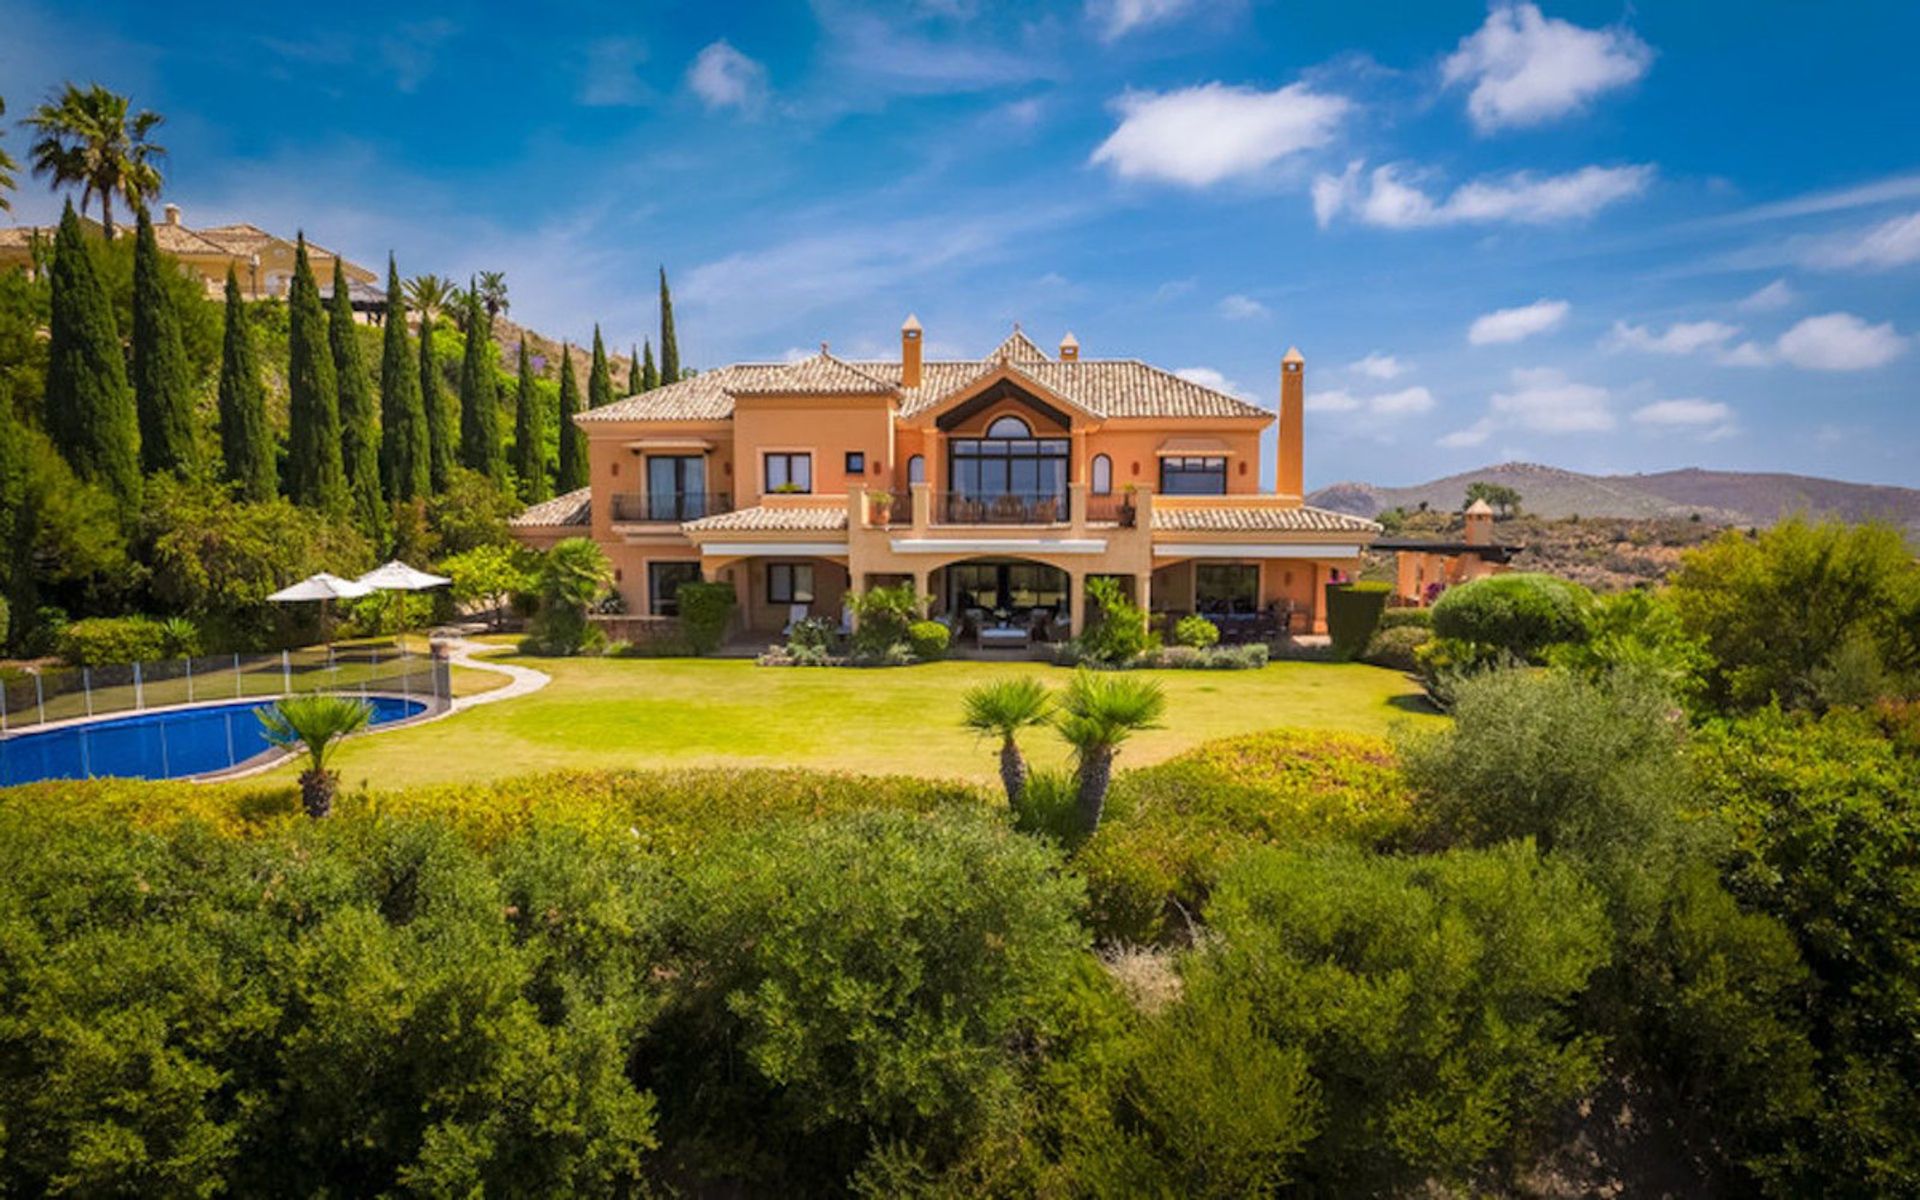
x=600, y=713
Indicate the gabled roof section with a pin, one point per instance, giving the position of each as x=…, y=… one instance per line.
x=822, y=374
x=1018, y=348
x=773, y=518
x=995, y=371
x=705, y=397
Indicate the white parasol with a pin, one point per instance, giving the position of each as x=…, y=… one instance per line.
x=325, y=588
x=397, y=576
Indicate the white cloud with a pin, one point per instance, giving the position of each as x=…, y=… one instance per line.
x=1390, y=199
x=1207, y=377
x=1839, y=342
x=1746, y=354
x=1403, y=402
x=1241, y=308
x=1680, y=338
x=1892, y=243
x=1378, y=366
x=1774, y=296
x=1505, y=325
x=612, y=76
x=1332, y=400
x=1710, y=418
x=725, y=78
x=1527, y=69
x=1117, y=18
x=1202, y=135
x=1546, y=401
x=1473, y=435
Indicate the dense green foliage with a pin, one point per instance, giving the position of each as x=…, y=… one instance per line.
x=359, y=418
x=89, y=410
x=1116, y=627
x=928, y=640
x=599, y=380
x=480, y=447
x=163, y=384
x=1519, y=613
x=649, y=374
x=246, y=442
x=529, y=435
x=1397, y=647
x=573, y=576
x=100, y=641
x=573, y=439
x=406, y=469
x=1196, y=631
x=881, y=617
x=669, y=340
x=441, y=433
x=1353, y=613
x=705, y=608
x=315, y=475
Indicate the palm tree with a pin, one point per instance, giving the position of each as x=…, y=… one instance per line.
x=7, y=168
x=315, y=724
x=1098, y=714
x=1003, y=708
x=86, y=137
x=429, y=296
x=493, y=295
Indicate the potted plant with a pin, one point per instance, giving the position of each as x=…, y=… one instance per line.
x=882, y=503
x=1128, y=512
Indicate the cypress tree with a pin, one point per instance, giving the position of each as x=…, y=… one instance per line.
x=479, y=397
x=359, y=433
x=599, y=381
x=405, y=465
x=16, y=522
x=162, y=381
x=89, y=407
x=669, y=344
x=439, y=435
x=529, y=435
x=573, y=439
x=315, y=475
x=649, y=374
x=246, y=441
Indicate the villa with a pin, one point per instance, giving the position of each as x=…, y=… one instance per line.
x=997, y=486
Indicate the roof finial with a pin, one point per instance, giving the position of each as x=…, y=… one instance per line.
x=823, y=347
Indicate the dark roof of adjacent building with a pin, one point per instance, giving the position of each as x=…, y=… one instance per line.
x=1486, y=550
x=570, y=509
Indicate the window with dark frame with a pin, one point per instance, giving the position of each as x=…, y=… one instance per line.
x=1193, y=475
x=856, y=462
x=663, y=585
x=787, y=472
x=1226, y=588
x=790, y=583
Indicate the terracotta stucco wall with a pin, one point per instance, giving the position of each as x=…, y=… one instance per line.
x=827, y=429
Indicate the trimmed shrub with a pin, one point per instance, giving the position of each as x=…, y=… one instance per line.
x=1397, y=647
x=1353, y=612
x=1196, y=631
x=1250, y=657
x=1401, y=617
x=928, y=639
x=881, y=617
x=1521, y=613
x=103, y=641
x=704, y=610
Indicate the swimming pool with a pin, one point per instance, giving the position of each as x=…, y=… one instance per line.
x=157, y=745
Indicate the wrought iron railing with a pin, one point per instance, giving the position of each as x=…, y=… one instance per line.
x=642, y=507
x=1007, y=508
x=1111, y=510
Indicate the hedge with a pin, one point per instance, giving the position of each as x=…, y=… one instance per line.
x=1353, y=612
x=102, y=641
x=704, y=609
x=1522, y=613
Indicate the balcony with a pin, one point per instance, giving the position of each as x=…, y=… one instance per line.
x=641, y=508
x=1007, y=508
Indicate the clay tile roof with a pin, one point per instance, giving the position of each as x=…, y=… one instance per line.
x=1479, y=508
x=178, y=239
x=570, y=509
x=1230, y=519
x=822, y=374
x=774, y=518
x=1018, y=348
x=702, y=398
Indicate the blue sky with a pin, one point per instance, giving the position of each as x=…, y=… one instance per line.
x=1588, y=234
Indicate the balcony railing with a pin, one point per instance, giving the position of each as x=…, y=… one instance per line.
x=1111, y=510
x=1009, y=508
x=642, y=507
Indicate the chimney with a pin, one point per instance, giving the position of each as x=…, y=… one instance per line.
x=1289, y=476
x=1479, y=524
x=173, y=214
x=910, y=352
x=1069, y=348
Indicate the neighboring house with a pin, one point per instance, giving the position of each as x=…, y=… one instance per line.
x=263, y=262
x=997, y=486
x=1424, y=569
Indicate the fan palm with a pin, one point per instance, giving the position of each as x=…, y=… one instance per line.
x=315, y=724
x=7, y=168
x=493, y=294
x=88, y=137
x=1003, y=708
x=429, y=296
x=1097, y=715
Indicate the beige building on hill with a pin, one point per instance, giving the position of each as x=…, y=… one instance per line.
x=262, y=261
x=996, y=486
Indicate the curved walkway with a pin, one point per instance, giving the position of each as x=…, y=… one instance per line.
x=521, y=681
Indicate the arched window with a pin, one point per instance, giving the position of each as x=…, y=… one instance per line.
x=1009, y=427
x=917, y=469
x=1102, y=475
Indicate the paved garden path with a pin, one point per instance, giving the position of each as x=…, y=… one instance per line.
x=521, y=681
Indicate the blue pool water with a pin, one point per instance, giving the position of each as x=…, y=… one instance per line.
x=156, y=745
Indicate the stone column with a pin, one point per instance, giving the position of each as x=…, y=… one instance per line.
x=1143, y=596
x=1076, y=602
x=922, y=495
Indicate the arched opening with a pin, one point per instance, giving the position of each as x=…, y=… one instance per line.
x=1102, y=475
x=1008, y=594
x=917, y=469
x=1008, y=476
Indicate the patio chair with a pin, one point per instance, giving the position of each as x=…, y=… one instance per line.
x=796, y=613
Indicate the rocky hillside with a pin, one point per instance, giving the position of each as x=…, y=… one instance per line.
x=1716, y=497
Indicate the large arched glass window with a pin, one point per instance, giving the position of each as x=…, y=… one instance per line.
x=1009, y=427
x=917, y=469
x=1102, y=475
x=1008, y=475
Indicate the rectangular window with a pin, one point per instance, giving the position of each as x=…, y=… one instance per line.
x=676, y=487
x=790, y=583
x=856, y=462
x=789, y=473
x=1193, y=476
x=1226, y=588
x=663, y=585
